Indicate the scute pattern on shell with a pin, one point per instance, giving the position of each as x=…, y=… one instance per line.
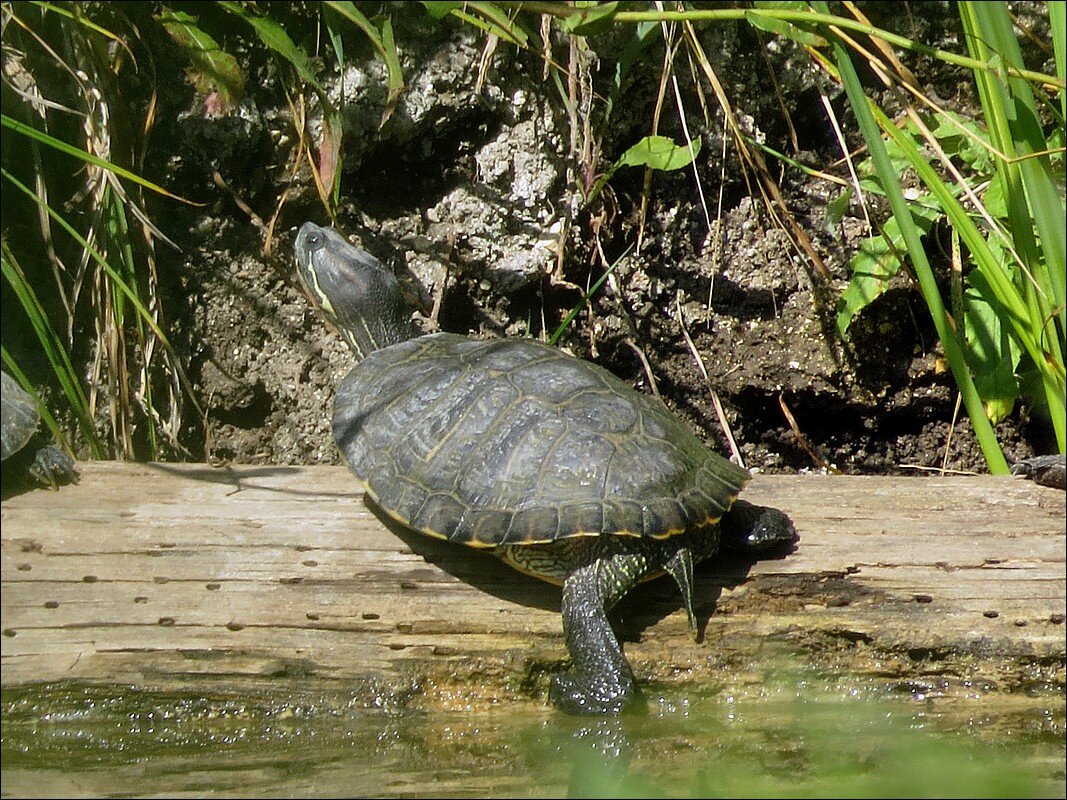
x=19, y=417
x=514, y=442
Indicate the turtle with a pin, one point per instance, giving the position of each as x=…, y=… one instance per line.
x=30, y=457
x=550, y=462
x=1050, y=470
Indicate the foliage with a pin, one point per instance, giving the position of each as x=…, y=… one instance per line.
x=1014, y=298
x=81, y=85
x=997, y=182
x=92, y=226
x=79, y=126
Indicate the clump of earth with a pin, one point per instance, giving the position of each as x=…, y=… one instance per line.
x=472, y=192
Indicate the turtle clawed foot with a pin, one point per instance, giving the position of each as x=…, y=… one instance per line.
x=576, y=692
x=52, y=467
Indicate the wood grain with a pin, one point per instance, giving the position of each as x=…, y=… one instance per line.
x=163, y=575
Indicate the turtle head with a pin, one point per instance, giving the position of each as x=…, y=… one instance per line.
x=360, y=296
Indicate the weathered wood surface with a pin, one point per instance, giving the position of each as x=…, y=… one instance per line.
x=165, y=575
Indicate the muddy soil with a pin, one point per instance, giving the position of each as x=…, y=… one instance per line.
x=470, y=192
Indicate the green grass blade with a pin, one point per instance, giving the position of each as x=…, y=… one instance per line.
x=1057, y=15
x=52, y=347
x=119, y=235
x=986, y=259
x=504, y=24
x=1036, y=214
x=995, y=268
x=87, y=23
x=567, y=320
x=912, y=237
x=1011, y=114
x=811, y=19
x=82, y=155
x=493, y=20
x=114, y=274
x=384, y=43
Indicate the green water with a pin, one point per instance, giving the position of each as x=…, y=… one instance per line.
x=792, y=737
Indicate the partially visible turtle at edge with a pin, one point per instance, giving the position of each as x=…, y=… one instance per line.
x=552, y=463
x=1048, y=471
x=30, y=457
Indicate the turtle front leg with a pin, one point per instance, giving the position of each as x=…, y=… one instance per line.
x=600, y=680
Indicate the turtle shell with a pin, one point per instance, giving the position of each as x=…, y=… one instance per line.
x=510, y=441
x=18, y=416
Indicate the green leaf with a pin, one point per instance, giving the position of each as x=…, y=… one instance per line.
x=961, y=137
x=439, y=9
x=802, y=35
x=994, y=199
x=990, y=349
x=874, y=265
x=659, y=152
x=836, y=208
x=593, y=18
x=211, y=68
x=275, y=38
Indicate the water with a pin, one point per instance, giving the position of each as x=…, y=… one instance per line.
x=791, y=736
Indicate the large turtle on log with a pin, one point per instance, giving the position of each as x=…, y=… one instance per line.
x=551, y=462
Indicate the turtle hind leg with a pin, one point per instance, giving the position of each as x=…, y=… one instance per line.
x=600, y=680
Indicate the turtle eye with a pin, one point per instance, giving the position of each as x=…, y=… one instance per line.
x=315, y=240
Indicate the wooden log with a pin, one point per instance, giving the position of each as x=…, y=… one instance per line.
x=165, y=576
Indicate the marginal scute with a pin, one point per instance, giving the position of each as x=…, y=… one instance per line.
x=582, y=518
x=486, y=525
x=530, y=526
x=439, y=512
